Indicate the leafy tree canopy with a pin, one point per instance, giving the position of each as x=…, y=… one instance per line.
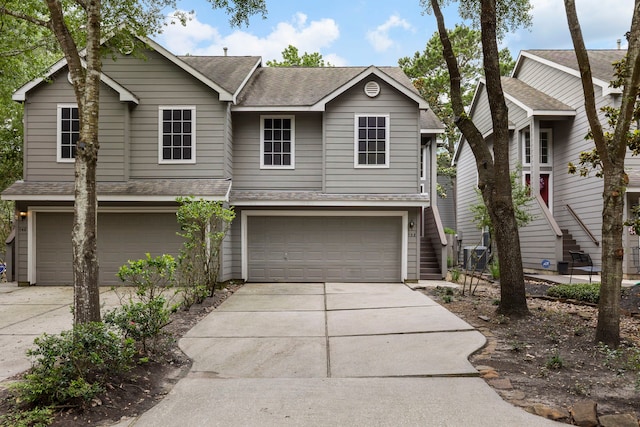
x=291, y=58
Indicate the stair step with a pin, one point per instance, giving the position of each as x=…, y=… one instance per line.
x=431, y=276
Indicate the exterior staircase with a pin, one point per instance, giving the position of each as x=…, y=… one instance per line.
x=429, y=266
x=568, y=244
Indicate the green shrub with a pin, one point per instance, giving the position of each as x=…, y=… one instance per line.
x=494, y=268
x=448, y=230
x=36, y=417
x=587, y=292
x=145, y=312
x=142, y=321
x=74, y=366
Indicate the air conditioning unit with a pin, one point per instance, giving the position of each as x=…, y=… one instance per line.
x=475, y=258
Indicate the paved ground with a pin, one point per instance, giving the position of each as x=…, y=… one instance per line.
x=332, y=355
x=28, y=312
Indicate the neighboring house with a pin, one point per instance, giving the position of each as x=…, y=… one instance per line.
x=322, y=166
x=548, y=125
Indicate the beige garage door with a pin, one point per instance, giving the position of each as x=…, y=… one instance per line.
x=324, y=249
x=121, y=237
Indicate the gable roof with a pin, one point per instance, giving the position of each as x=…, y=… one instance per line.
x=533, y=101
x=20, y=95
x=311, y=88
x=230, y=72
x=601, y=61
x=224, y=95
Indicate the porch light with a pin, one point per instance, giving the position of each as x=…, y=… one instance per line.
x=412, y=224
x=23, y=215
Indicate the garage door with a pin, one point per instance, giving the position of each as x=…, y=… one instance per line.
x=324, y=249
x=121, y=237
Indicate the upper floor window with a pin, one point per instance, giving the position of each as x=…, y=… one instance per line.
x=544, y=148
x=277, y=142
x=177, y=134
x=371, y=141
x=68, y=132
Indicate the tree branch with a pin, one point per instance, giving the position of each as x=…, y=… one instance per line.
x=587, y=80
x=24, y=17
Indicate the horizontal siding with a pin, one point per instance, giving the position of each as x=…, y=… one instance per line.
x=158, y=82
x=402, y=174
x=40, y=135
x=307, y=174
x=466, y=183
x=538, y=241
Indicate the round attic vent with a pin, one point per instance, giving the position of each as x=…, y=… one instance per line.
x=372, y=89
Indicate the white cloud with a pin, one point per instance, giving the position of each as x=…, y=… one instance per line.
x=380, y=39
x=199, y=38
x=602, y=24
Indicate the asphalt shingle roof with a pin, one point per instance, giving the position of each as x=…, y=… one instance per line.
x=227, y=71
x=240, y=197
x=304, y=86
x=429, y=120
x=534, y=99
x=138, y=187
x=600, y=60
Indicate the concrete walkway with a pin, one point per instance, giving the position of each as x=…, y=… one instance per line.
x=332, y=355
x=30, y=311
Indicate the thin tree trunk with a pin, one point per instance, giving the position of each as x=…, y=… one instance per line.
x=86, y=84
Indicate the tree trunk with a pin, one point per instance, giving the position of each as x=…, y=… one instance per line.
x=86, y=85
x=608, y=328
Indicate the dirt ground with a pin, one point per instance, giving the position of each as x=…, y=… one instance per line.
x=548, y=357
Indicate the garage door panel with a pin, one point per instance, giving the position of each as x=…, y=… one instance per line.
x=324, y=248
x=121, y=237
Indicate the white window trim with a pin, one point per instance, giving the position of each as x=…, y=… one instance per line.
x=293, y=142
x=59, y=157
x=423, y=156
x=192, y=160
x=549, y=132
x=544, y=172
x=357, y=165
x=524, y=147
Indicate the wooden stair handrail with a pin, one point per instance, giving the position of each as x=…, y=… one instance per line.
x=583, y=225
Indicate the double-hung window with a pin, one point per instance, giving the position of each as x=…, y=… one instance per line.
x=371, y=141
x=277, y=142
x=68, y=132
x=177, y=134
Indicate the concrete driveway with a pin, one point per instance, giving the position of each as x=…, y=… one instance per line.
x=28, y=312
x=332, y=354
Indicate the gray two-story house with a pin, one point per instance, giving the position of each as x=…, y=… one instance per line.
x=329, y=169
x=547, y=127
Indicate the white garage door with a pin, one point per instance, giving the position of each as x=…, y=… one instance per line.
x=121, y=237
x=324, y=249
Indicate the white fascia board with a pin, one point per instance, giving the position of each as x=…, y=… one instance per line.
x=279, y=108
x=20, y=95
x=334, y=203
x=223, y=95
x=114, y=198
x=432, y=131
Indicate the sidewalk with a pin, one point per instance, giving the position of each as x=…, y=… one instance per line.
x=332, y=355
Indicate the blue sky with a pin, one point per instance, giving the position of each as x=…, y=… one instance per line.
x=376, y=32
